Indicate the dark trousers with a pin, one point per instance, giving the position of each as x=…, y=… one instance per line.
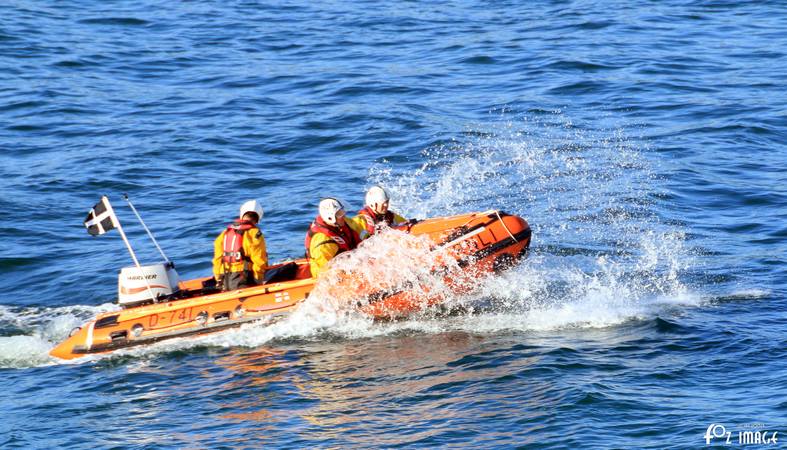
x=237, y=280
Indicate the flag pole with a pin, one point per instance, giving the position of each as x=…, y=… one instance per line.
x=116, y=222
x=120, y=230
x=125, y=196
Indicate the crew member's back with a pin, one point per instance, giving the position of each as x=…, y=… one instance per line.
x=240, y=256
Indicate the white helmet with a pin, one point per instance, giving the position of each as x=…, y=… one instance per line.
x=330, y=210
x=251, y=206
x=375, y=197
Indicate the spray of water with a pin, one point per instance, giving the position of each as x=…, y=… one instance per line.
x=389, y=262
x=601, y=255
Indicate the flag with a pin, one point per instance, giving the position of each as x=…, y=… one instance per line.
x=101, y=218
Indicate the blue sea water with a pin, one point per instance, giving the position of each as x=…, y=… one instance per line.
x=643, y=141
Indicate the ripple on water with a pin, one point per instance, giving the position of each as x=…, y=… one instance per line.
x=119, y=21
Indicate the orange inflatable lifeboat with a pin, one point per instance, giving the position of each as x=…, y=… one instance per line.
x=466, y=247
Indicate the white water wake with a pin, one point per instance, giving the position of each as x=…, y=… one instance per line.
x=43, y=328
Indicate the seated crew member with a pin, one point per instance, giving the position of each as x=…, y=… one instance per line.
x=239, y=255
x=376, y=212
x=329, y=235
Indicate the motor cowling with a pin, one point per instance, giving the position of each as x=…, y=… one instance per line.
x=138, y=285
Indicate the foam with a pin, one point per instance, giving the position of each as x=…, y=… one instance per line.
x=24, y=351
x=44, y=328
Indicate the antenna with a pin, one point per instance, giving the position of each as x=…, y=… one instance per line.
x=125, y=197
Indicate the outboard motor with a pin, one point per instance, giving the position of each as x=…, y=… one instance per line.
x=138, y=285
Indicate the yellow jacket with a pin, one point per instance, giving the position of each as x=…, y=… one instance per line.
x=322, y=248
x=253, y=247
x=366, y=224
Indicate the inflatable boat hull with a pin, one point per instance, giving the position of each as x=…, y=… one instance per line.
x=479, y=242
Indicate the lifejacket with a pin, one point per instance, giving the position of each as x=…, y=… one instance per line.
x=371, y=218
x=345, y=237
x=233, y=242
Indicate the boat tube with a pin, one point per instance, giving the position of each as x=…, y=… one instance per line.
x=470, y=244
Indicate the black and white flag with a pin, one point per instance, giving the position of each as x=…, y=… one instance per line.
x=101, y=218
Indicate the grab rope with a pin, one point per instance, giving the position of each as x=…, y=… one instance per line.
x=505, y=226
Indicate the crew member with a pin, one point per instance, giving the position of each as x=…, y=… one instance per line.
x=376, y=212
x=240, y=256
x=329, y=235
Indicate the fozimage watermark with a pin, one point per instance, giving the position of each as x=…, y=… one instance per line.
x=743, y=434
